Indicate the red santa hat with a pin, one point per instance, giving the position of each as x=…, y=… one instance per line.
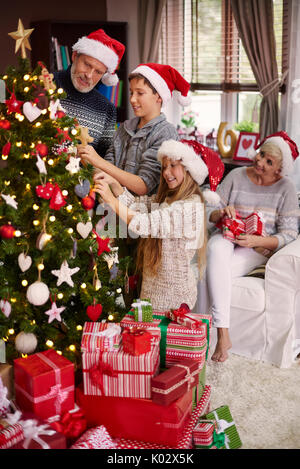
x=288, y=149
x=199, y=161
x=107, y=50
x=165, y=79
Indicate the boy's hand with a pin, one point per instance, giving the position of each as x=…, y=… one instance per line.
x=88, y=154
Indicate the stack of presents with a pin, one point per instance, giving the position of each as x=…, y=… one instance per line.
x=142, y=387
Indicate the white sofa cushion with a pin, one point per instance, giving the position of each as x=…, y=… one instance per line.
x=248, y=293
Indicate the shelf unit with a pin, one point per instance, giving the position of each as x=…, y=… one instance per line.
x=67, y=33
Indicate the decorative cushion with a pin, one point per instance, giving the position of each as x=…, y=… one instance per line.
x=258, y=272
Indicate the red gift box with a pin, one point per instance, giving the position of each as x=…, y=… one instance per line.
x=232, y=227
x=203, y=433
x=102, y=336
x=184, y=442
x=254, y=225
x=136, y=341
x=140, y=419
x=39, y=435
x=10, y=434
x=44, y=384
x=174, y=382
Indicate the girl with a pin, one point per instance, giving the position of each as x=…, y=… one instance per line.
x=174, y=229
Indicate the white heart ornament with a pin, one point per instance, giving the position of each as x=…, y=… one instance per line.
x=84, y=229
x=5, y=307
x=30, y=111
x=24, y=261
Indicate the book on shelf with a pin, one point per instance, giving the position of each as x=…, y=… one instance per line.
x=112, y=93
x=61, y=55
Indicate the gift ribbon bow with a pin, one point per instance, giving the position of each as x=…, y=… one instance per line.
x=138, y=304
x=59, y=394
x=33, y=431
x=135, y=331
x=97, y=372
x=182, y=313
x=72, y=424
x=218, y=439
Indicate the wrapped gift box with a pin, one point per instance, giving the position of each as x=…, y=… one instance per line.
x=101, y=336
x=7, y=377
x=254, y=225
x=226, y=424
x=44, y=384
x=140, y=419
x=232, y=227
x=39, y=435
x=174, y=382
x=10, y=434
x=142, y=310
x=94, y=438
x=183, y=316
x=205, y=436
x=136, y=341
x=184, y=442
x=118, y=373
x=177, y=342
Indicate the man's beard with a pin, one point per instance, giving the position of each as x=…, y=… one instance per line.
x=86, y=89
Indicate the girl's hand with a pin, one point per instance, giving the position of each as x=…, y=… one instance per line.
x=248, y=241
x=88, y=154
x=102, y=188
x=110, y=180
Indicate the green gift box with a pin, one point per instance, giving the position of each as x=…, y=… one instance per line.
x=142, y=310
x=225, y=423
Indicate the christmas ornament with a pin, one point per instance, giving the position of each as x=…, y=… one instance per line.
x=102, y=244
x=88, y=202
x=13, y=105
x=45, y=191
x=74, y=165
x=54, y=312
x=41, y=165
x=113, y=272
x=7, y=231
x=46, y=78
x=64, y=134
x=21, y=37
x=41, y=149
x=10, y=200
x=56, y=110
x=5, y=307
x=94, y=311
x=40, y=97
x=38, y=293
x=60, y=114
x=83, y=188
x=57, y=200
x=6, y=149
x=42, y=240
x=31, y=111
x=26, y=342
x=65, y=274
x=24, y=261
x=84, y=229
x=4, y=124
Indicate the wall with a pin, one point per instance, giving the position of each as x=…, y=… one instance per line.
x=35, y=11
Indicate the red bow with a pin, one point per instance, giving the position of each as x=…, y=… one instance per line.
x=72, y=424
x=97, y=372
x=134, y=331
x=182, y=312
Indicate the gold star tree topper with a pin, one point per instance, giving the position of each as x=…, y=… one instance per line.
x=21, y=37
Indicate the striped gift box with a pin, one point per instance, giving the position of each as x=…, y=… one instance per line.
x=203, y=433
x=10, y=435
x=101, y=336
x=226, y=424
x=254, y=225
x=120, y=374
x=186, y=441
x=177, y=342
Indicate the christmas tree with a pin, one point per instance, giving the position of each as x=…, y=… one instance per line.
x=56, y=271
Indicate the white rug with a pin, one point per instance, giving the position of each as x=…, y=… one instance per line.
x=264, y=401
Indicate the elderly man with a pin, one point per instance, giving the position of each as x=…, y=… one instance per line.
x=95, y=57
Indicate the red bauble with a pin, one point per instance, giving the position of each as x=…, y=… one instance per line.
x=94, y=311
x=7, y=231
x=60, y=114
x=88, y=202
x=4, y=124
x=6, y=149
x=41, y=149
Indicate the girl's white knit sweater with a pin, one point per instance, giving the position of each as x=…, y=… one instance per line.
x=180, y=225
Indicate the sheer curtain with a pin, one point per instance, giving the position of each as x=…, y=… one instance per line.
x=149, y=18
x=254, y=19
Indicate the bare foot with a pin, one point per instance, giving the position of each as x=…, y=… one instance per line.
x=223, y=345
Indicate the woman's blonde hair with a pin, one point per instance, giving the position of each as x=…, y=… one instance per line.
x=273, y=150
x=149, y=251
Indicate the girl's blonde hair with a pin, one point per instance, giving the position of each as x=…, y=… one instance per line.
x=149, y=251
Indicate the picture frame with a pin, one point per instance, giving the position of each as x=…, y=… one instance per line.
x=246, y=141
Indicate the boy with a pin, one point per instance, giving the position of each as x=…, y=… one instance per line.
x=131, y=159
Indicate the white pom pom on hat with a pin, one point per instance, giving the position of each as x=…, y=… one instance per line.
x=199, y=161
x=102, y=47
x=167, y=81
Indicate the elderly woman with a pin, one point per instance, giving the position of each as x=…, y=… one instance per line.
x=262, y=187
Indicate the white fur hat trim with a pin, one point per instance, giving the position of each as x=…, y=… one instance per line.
x=156, y=81
x=98, y=51
x=192, y=162
x=287, y=159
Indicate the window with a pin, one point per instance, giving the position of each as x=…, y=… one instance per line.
x=200, y=39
